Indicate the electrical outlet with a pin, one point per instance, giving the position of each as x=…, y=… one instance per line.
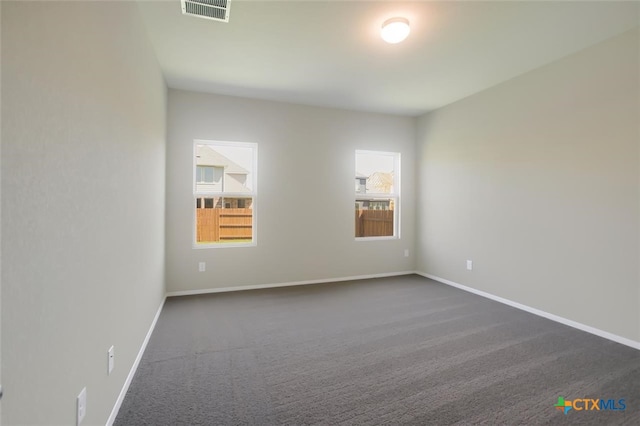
x=202, y=266
x=406, y=252
x=81, y=406
x=111, y=358
x=469, y=265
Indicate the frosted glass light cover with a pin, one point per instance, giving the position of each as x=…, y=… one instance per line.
x=395, y=30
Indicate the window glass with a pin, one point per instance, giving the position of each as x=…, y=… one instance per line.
x=377, y=194
x=225, y=192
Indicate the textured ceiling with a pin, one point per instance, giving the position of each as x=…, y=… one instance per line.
x=329, y=53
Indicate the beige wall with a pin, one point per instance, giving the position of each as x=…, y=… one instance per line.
x=83, y=170
x=305, y=210
x=536, y=181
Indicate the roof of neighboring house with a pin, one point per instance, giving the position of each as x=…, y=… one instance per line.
x=380, y=182
x=207, y=156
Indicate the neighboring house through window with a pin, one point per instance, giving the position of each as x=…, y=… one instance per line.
x=224, y=193
x=377, y=194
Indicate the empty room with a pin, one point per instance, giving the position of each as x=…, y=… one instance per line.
x=222, y=212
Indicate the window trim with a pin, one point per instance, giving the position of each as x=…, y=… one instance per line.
x=395, y=195
x=212, y=194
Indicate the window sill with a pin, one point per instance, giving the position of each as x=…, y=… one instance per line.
x=222, y=245
x=376, y=238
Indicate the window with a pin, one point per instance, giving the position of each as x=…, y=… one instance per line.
x=224, y=190
x=210, y=177
x=377, y=194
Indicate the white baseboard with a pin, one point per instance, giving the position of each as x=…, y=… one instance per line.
x=552, y=317
x=287, y=284
x=134, y=367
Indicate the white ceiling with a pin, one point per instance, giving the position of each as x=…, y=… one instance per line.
x=329, y=53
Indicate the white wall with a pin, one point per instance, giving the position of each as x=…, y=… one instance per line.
x=83, y=171
x=305, y=220
x=537, y=181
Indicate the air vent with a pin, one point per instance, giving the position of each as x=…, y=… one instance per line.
x=217, y=10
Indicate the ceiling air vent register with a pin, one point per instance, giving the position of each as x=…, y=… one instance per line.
x=216, y=10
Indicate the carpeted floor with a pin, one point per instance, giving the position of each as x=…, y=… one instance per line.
x=392, y=351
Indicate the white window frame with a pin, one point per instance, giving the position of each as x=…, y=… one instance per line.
x=394, y=195
x=214, y=194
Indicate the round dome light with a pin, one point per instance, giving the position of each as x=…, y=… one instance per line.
x=395, y=30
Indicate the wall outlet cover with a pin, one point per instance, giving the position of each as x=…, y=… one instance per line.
x=111, y=360
x=81, y=406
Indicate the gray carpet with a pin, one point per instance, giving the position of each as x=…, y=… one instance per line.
x=402, y=350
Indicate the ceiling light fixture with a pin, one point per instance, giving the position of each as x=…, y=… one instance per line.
x=395, y=30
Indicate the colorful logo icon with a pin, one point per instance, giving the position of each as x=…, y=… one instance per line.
x=563, y=405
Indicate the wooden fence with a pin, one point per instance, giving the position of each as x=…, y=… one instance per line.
x=213, y=225
x=374, y=223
